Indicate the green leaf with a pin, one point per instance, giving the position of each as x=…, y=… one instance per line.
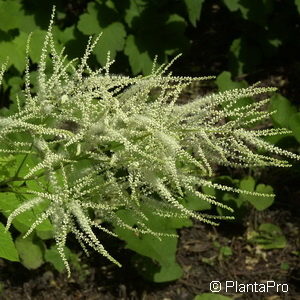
x=88, y=23
x=255, y=10
x=7, y=247
x=194, y=10
x=284, y=110
x=134, y=10
x=139, y=61
x=30, y=253
x=224, y=82
x=15, y=52
x=27, y=23
x=23, y=163
x=161, y=252
x=294, y=125
x=37, y=38
x=113, y=36
x=248, y=184
x=112, y=40
x=6, y=162
x=9, y=14
x=260, y=203
x=232, y=5
x=10, y=201
x=297, y=3
x=269, y=236
x=65, y=35
x=52, y=256
x=211, y=296
x=159, y=37
x=226, y=251
x=244, y=56
x=195, y=203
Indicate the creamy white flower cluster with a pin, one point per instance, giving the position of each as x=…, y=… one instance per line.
x=142, y=149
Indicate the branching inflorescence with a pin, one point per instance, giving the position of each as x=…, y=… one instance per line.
x=106, y=142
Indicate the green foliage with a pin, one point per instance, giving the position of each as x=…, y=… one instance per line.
x=241, y=202
x=7, y=247
x=194, y=10
x=284, y=110
x=268, y=236
x=294, y=124
x=53, y=257
x=297, y=3
x=244, y=56
x=224, y=82
x=100, y=18
x=161, y=250
x=10, y=201
x=284, y=116
x=260, y=203
x=30, y=252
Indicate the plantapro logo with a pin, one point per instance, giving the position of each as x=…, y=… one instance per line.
x=255, y=287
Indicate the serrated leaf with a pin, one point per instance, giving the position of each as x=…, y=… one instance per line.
x=9, y=15
x=23, y=163
x=65, y=35
x=14, y=51
x=194, y=10
x=30, y=253
x=113, y=33
x=112, y=40
x=163, y=38
x=27, y=23
x=7, y=246
x=134, y=10
x=284, y=110
x=139, y=61
x=88, y=23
